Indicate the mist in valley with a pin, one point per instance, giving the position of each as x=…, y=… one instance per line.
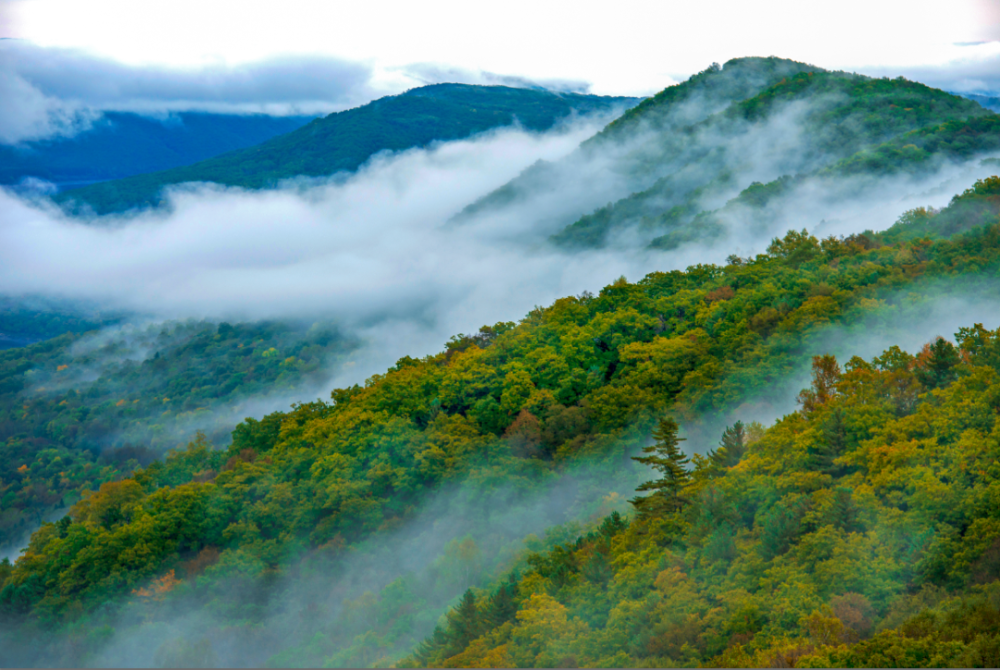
x=399, y=262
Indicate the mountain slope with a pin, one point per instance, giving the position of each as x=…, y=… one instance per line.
x=120, y=144
x=76, y=409
x=808, y=123
x=499, y=417
x=990, y=103
x=860, y=531
x=634, y=144
x=345, y=140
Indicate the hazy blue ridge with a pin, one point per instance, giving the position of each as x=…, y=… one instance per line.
x=25, y=321
x=121, y=144
x=991, y=103
x=345, y=140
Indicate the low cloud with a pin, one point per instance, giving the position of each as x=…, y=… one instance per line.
x=50, y=92
x=373, y=252
x=977, y=72
x=370, y=250
x=432, y=73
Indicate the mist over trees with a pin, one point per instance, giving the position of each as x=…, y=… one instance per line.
x=632, y=477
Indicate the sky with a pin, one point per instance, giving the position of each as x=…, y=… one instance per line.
x=634, y=47
x=62, y=62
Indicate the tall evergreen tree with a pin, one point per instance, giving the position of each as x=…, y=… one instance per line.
x=464, y=623
x=502, y=606
x=731, y=447
x=666, y=457
x=843, y=512
x=429, y=651
x=830, y=446
x=939, y=364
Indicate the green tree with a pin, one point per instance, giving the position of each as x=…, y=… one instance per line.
x=939, y=361
x=464, y=623
x=731, y=448
x=665, y=457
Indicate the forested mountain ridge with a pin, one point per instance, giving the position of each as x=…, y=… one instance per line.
x=813, y=128
x=514, y=405
x=80, y=410
x=861, y=531
x=702, y=95
x=121, y=144
x=662, y=116
x=343, y=141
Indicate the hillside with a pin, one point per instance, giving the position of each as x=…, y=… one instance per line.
x=628, y=155
x=80, y=410
x=990, y=103
x=860, y=531
x=345, y=140
x=288, y=544
x=809, y=132
x=121, y=144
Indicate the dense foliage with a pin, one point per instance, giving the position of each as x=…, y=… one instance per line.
x=828, y=126
x=586, y=379
x=643, y=144
x=345, y=140
x=861, y=531
x=77, y=410
x=120, y=144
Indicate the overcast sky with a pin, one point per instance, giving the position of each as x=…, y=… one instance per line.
x=627, y=47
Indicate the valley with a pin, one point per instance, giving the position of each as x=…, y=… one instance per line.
x=809, y=344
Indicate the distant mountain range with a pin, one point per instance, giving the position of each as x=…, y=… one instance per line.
x=989, y=102
x=345, y=140
x=120, y=144
x=734, y=146
x=474, y=507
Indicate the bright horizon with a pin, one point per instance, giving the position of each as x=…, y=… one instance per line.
x=545, y=42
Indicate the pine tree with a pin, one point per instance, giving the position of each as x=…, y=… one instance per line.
x=464, y=624
x=428, y=652
x=502, y=606
x=731, y=447
x=830, y=446
x=939, y=360
x=844, y=512
x=666, y=457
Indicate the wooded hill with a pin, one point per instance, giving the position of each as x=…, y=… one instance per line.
x=849, y=517
x=343, y=141
x=746, y=147
x=80, y=410
x=340, y=531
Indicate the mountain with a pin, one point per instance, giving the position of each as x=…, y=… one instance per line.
x=82, y=409
x=120, y=144
x=990, y=103
x=738, y=148
x=345, y=140
x=867, y=507
x=629, y=152
x=836, y=134
x=481, y=506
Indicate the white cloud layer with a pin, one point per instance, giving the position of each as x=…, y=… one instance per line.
x=58, y=92
x=636, y=48
x=373, y=250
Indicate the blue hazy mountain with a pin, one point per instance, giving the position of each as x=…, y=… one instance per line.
x=120, y=144
x=345, y=140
